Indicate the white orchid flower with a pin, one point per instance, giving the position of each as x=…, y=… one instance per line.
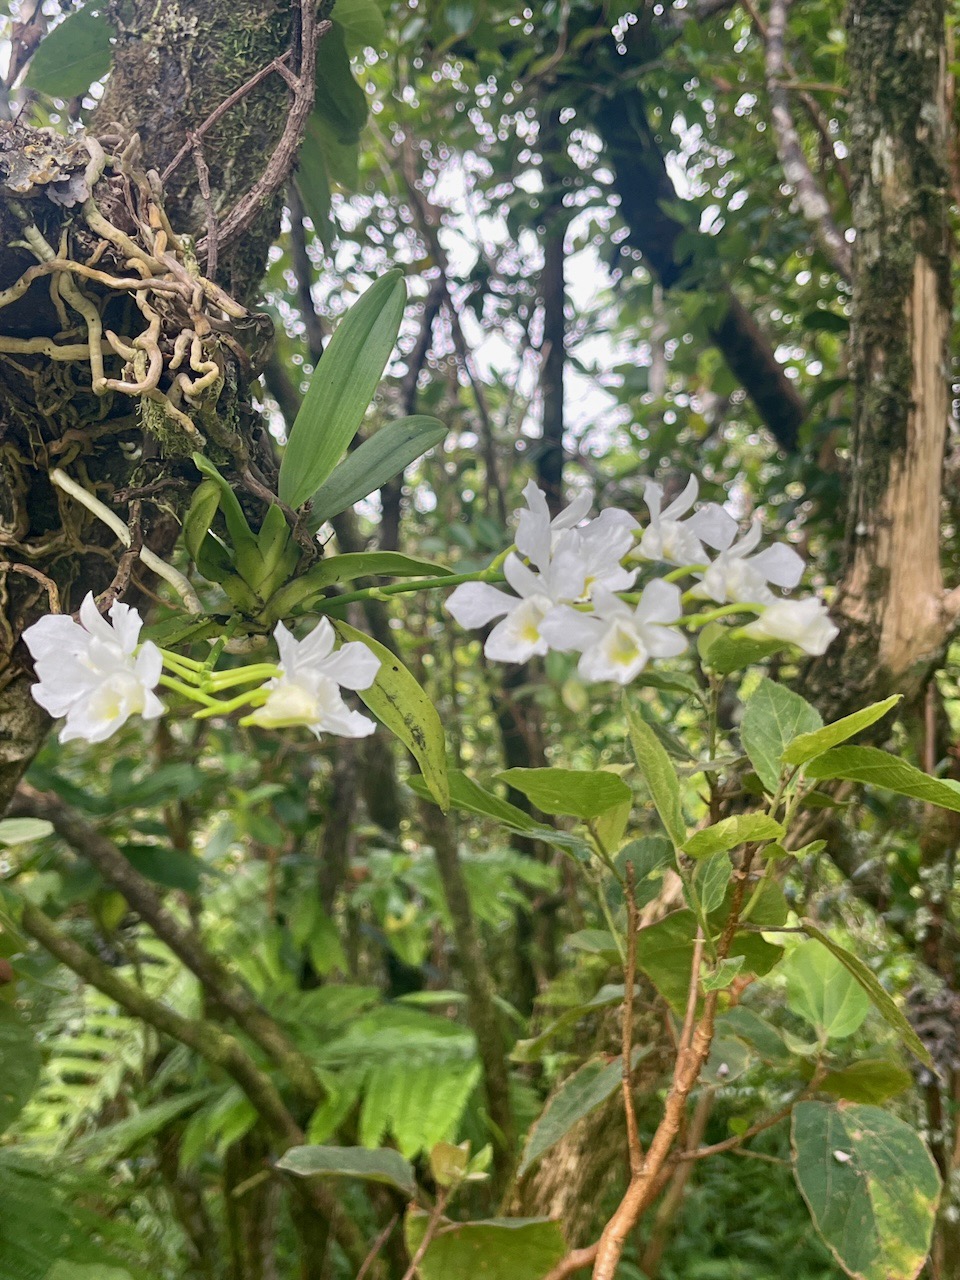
x=307, y=690
x=616, y=642
x=517, y=638
x=669, y=538
x=91, y=671
x=737, y=576
x=804, y=623
x=571, y=561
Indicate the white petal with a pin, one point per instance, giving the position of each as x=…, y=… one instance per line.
x=577, y=510
x=148, y=665
x=567, y=629
x=804, y=623
x=522, y=578
x=620, y=655
x=347, y=724
x=152, y=707
x=287, y=646
x=608, y=606
x=126, y=625
x=712, y=525
x=316, y=645
x=662, y=642
x=474, y=604
x=91, y=619
x=566, y=578
x=660, y=602
x=353, y=666
x=55, y=634
x=517, y=638
x=653, y=497
x=779, y=564
x=533, y=537
x=684, y=502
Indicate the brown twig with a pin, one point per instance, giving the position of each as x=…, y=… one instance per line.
x=633, y=1134
x=377, y=1245
x=219, y=112
x=53, y=594
x=182, y=940
x=435, y=1216
x=303, y=85
x=203, y=181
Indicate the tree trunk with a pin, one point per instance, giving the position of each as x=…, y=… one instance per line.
x=894, y=615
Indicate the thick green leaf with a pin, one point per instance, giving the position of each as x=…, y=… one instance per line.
x=339, y=99
x=719, y=978
x=870, y=1185
x=729, y=833
x=341, y=160
x=731, y=651
x=577, y=793
x=22, y=830
x=313, y=183
x=497, y=1249
x=370, y=466
x=19, y=1064
x=754, y=1031
x=72, y=55
x=342, y=386
x=469, y=796
x=654, y=764
x=169, y=867
x=665, y=954
x=823, y=992
x=649, y=857
x=880, y=769
x=308, y=587
x=362, y=23
x=382, y=1165
x=810, y=745
x=579, y=1094
x=397, y=700
x=773, y=717
x=711, y=879
x=871, y=1080
x=882, y=1001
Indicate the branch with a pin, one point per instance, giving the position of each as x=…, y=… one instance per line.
x=205, y=1038
x=813, y=203
x=182, y=940
x=646, y=191
x=244, y=213
x=633, y=1135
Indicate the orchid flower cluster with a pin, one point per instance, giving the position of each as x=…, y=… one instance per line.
x=573, y=581
x=572, y=589
x=98, y=674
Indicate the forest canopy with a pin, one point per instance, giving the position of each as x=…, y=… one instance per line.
x=479, y=713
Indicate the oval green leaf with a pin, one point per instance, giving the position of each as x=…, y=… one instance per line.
x=810, y=745
x=382, y=1165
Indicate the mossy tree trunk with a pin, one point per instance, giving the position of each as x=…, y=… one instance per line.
x=895, y=615
x=175, y=61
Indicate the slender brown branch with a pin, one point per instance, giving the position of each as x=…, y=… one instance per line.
x=377, y=1245
x=205, y=1038
x=182, y=940
x=436, y=1215
x=576, y=1260
x=813, y=203
x=629, y=1111
x=245, y=211
x=738, y=1139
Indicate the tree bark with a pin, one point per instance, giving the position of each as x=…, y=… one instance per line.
x=894, y=614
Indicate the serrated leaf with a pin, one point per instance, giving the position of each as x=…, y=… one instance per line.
x=382, y=1165
x=73, y=55
x=658, y=774
x=665, y=954
x=398, y=701
x=772, y=718
x=870, y=1185
x=576, y=793
x=711, y=879
x=882, y=1001
x=729, y=833
x=722, y=976
x=377, y=460
x=809, y=745
x=880, y=769
x=342, y=386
